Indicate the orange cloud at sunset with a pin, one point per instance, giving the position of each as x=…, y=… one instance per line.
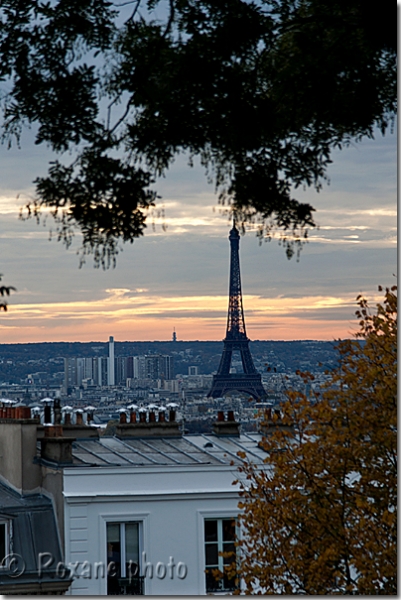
x=138, y=315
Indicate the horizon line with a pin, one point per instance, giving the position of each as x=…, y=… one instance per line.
x=170, y=341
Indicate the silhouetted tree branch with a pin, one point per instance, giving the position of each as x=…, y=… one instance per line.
x=261, y=91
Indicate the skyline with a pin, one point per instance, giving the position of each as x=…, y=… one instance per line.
x=178, y=278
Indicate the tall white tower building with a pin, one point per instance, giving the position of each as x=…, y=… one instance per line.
x=111, y=376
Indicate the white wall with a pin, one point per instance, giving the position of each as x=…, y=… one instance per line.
x=171, y=502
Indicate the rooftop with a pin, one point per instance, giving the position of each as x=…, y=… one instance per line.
x=193, y=449
x=34, y=531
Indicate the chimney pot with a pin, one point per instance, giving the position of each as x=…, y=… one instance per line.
x=220, y=415
x=230, y=416
x=57, y=411
x=47, y=414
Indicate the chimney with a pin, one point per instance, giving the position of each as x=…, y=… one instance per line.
x=36, y=413
x=132, y=412
x=18, y=438
x=8, y=408
x=47, y=402
x=22, y=412
x=172, y=406
x=78, y=430
x=54, y=447
x=57, y=411
x=89, y=414
x=67, y=411
x=149, y=427
x=229, y=427
x=272, y=420
x=152, y=413
x=162, y=414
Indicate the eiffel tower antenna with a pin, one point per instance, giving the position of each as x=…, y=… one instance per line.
x=250, y=381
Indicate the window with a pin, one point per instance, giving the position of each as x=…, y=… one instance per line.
x=123, y=564
x=219, y=537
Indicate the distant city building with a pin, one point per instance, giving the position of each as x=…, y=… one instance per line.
x=130, y=366
x=138, y=369
x=153, y=366
x=112, y=370
x=111, y=373
x=159, y=366
x=121, y=370
x=76, y=370
x=69, y=373
x=169, y=385
x=193, y=370
x=102, y=364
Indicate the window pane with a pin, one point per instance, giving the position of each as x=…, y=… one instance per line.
x=113, y=532
x=132, y=548
x=3, y=551
x=113, y=550
x=212, y=554
x=210, y=531
x=229, y=530
x=212, y=584
x=229, y=547
x=229, y=584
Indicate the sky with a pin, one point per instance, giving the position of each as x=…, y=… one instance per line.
x=178, y=278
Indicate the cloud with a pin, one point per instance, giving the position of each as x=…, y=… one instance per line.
x=179, y=276
x=126, y=315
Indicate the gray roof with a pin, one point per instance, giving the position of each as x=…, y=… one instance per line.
x=195, y=449
x=33, y=531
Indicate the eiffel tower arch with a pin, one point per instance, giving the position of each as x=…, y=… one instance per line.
x=250, y=381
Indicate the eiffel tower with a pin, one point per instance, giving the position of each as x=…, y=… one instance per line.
x=250, y=381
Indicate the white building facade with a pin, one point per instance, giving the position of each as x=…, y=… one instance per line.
x=156, y=527
x=146, y=511
x=168, y=509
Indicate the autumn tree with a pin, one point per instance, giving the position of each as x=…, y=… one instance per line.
x=320, y=517
x=261, y=91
